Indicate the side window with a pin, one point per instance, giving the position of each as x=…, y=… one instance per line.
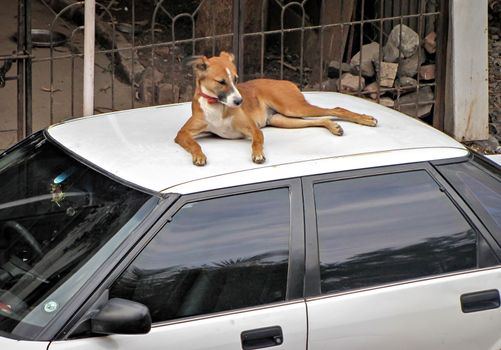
x=217, y=254
x=480, y=187
x=388, y=228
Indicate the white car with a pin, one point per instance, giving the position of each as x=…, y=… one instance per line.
x=384, y=238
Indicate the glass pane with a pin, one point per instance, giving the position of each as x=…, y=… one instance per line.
x=478, y=187
x=218, y=254
x=388, y=228
x=56, y=214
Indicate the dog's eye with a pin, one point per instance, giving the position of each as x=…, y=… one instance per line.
x=222, y=82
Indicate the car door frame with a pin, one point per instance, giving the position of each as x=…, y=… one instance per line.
x=312, y=257
x=295, y=275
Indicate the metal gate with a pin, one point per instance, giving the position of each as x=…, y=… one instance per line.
x=140, y=50
x=20, y=62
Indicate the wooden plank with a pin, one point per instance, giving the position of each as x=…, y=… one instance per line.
x=335, y=39
x=7, y=139
x=466, y=110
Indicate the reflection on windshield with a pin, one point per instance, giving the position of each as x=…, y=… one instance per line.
x=55, y=214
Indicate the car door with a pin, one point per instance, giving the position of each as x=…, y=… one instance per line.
x=225, y=272
x=397, y=265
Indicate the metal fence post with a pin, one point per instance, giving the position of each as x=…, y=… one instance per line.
x=238, y=29
x=21, y=76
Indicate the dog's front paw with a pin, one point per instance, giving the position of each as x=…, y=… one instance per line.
x=199, y=159
x=258, y=158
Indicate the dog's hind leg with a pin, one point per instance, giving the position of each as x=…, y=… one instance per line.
x=300, y=109
x=345, y=114
x=297, y=107
x=281, y=121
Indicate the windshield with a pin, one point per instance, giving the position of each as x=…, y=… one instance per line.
x=59, y=220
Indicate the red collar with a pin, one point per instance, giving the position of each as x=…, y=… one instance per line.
x=211, y=100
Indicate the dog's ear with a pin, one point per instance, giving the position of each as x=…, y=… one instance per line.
x=228, y=55
x=199, y=63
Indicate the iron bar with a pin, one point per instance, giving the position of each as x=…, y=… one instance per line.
x=21, y=39
x=236, y=29
x=28, y=84
x=177, y=38
x=89, y=57
x=440, y=65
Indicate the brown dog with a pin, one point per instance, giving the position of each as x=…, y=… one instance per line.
x=231, y=110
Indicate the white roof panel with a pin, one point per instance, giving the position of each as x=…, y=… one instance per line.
x=138, y=145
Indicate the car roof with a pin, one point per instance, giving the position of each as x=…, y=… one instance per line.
x=138, y=146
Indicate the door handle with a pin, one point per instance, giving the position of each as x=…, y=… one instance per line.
x=480, y=301
x=262, y=338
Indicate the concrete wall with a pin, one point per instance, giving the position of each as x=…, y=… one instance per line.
x=466, y=97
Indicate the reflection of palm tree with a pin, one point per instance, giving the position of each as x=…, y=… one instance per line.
x=230, y=262
x=261, y=259
x=180, y=291
x=433, y=256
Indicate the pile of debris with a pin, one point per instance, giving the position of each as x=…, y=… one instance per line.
x=400, y=74
x=495, y=72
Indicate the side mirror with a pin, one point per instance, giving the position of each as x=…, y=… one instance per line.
x=121, y=316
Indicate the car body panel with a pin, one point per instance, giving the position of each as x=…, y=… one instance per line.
x=12, y=344
x=211, y=333
x=495, y=158
x=138, y=145
x=319, y=166
x=137, y=148
x=419, y=315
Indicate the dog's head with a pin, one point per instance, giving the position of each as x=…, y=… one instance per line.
x=217, y=77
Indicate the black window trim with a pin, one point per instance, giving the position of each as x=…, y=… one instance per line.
x=312, y=258
x=486, y=163
x=295, y=275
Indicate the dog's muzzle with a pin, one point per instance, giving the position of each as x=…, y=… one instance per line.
x=233, y=99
